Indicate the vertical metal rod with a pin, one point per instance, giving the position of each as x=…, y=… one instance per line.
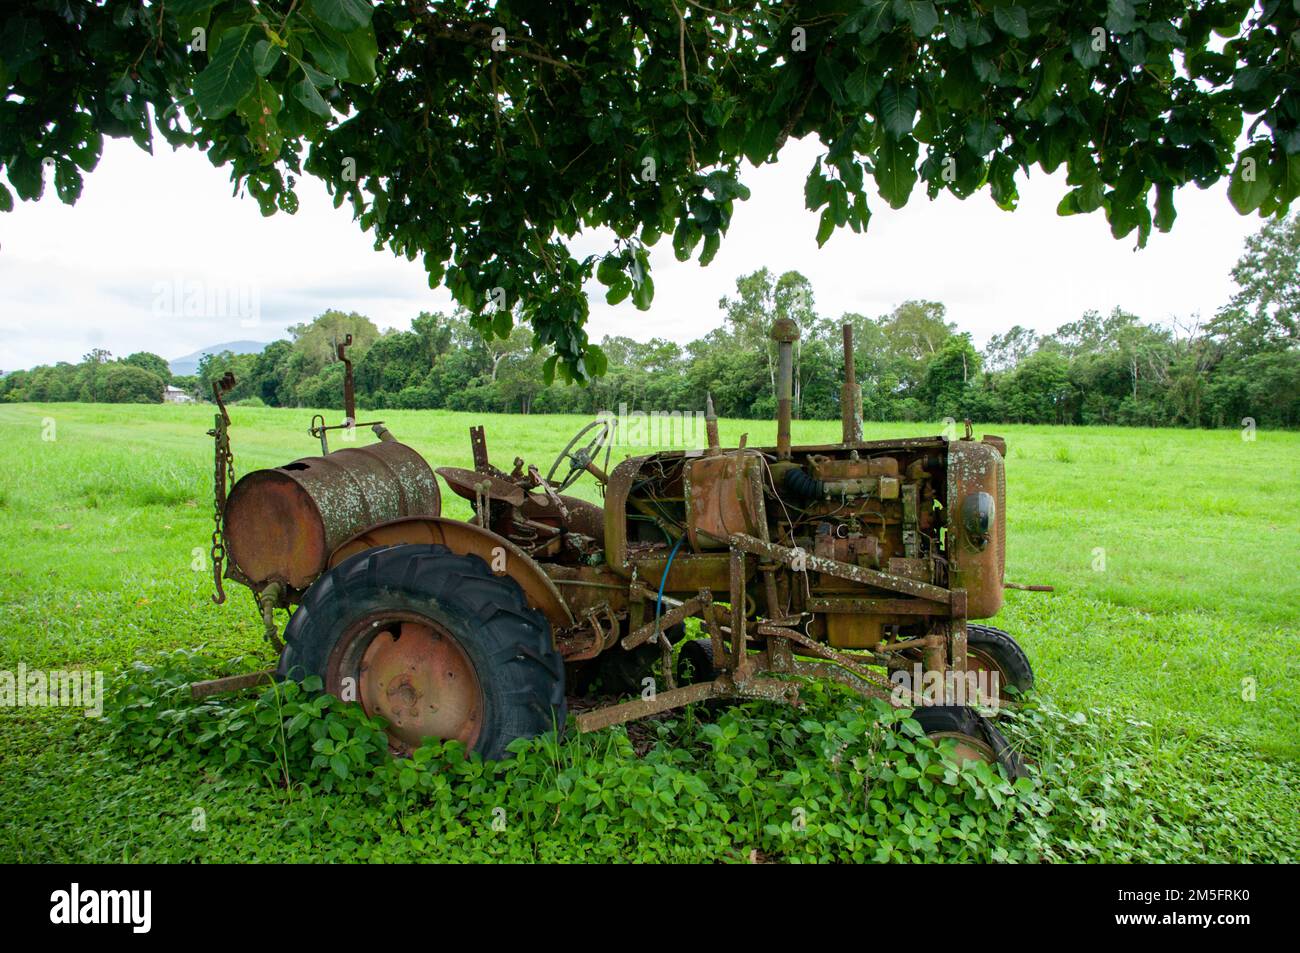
x=349, y=396
x=768, y=568
x=850, y=394
x=711, y=425
x=784, y=332
x=737, y=596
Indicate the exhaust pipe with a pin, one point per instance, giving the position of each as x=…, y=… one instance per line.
x=850, y=394
x=784, y=332
x=711, y=426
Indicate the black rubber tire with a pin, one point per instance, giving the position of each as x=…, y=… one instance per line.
x=697, y=654
x=617, y=671
x=1006, y=651
x=520, y=673
x=967, y=721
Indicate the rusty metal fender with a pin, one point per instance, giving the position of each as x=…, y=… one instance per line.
x=976, y=475
x=466, y=539
x=617, y=489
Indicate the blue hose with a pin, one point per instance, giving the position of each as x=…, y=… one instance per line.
x=659, y=602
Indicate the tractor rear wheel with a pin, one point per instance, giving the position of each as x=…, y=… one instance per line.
x=695, y=662
x=976, y=738
x=992, y=650
x=433, y=643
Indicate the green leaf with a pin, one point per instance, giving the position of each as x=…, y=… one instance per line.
x=873, y=20
x=826, y=227
x=859, y=214
x=829, y=77
x=815, y=189
x=1121, y=16
x=305, y=92
x=343, y=14
x=1288, y=178
x=1162, y=31
x=1251, y=181
x=983, y=136
x=1165, y=212
x=318, y=79
x=362, y=49
x=1085, y=198
x=229, y=76
x=897, y=108
x=1250, y=78
x=1012, y=20
x=760, y=140
x=609, y=271
x=265, y=55
x=643, y=292
x=595, y=361
x=1002, y=182
x=1127, y=216
x=619, y=291
x=862, y=85
x=724, y=185
x=685, y=238
x=1133, y=49
x=712, y=242
x=1085, y=52
x=955, y=30
x=920, y=14
x=258, y=110
x=345, y=55
x=895, y=170
x=322, y=43
x=839, y=206
x=1045, y=84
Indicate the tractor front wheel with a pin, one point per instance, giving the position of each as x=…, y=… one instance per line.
x=975, y=737
x=433, y=643
x=992, y=650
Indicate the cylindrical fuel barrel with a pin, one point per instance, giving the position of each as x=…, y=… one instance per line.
x=283, y=524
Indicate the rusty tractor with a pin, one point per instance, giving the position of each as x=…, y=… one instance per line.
x=863, y=562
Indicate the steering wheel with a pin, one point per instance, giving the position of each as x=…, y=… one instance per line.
x=578, y=459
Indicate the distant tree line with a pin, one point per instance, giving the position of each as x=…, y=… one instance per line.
x=99, y=378
x=913, y=363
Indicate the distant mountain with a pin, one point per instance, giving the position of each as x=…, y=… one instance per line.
x=184, y=366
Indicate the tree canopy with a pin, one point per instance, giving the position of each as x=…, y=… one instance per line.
x=481, y=135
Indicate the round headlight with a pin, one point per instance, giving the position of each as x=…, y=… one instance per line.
x=978, y=512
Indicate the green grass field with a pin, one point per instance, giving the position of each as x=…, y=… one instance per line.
x=1171, y=642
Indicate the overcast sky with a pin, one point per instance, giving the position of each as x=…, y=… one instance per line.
x=118, y=269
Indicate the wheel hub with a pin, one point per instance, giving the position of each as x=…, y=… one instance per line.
x=967, y=747
x=977, y=660
x=415, y=675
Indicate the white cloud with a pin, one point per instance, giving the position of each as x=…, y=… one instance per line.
x=72, y=278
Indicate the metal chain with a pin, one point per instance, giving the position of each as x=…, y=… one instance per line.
x=223, y=474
